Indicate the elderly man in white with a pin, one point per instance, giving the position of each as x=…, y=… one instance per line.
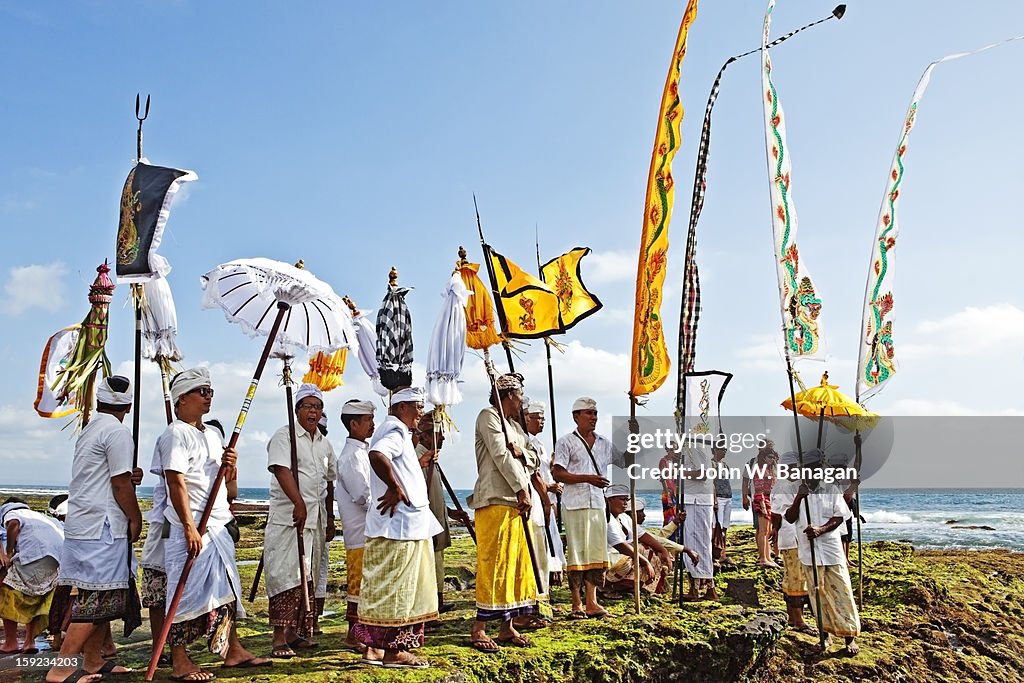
x=398, y=594
x=303, y=499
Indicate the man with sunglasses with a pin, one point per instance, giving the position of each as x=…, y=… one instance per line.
x=189, y=455
x=301, y=499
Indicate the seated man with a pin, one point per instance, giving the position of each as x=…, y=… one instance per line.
x=654, y=558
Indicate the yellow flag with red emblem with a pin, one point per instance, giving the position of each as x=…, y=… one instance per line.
x=575, y=301
x=527, y=306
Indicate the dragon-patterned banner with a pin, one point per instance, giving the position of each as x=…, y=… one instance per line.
x=650, y=362
x=801, y=305
x=145, y=208
x=703, y=393
x=877, y=357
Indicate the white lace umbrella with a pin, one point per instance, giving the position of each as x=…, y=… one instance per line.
x=366, y=334
x=249, y=291
x=160, y=333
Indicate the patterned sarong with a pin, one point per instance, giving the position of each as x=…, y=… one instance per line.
x=793, y=582
x=93, y=607
x=620, y=575
x=215, y=626
x=697, y=536
x=586, y=540
x=154, y=588
x=505, y=585
x=354, y=569
x=286, y=609
x=398, y=587
x=839, y=614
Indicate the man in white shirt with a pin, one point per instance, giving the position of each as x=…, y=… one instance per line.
x=581, y=462
x=547, y=541
x=398, y=594
x=190, y=455
x=353, y=495
x=103, y=521
x=699, y=524
x=828, y=511
x=654, y=557
x=299, y=499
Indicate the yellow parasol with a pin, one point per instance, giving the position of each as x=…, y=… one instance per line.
x=827, y=402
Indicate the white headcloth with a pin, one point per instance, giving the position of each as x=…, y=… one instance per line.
x=105, y=394
x=413, y=394
x=187, y=380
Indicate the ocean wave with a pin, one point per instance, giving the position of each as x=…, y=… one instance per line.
x=886, y=517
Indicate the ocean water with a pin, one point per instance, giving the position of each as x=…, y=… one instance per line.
x=916, y=516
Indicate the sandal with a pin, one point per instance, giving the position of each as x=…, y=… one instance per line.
x=371, y=662
x=515, y=641
x=412, y=662
x=597, y=615
x=282, y=652
x=532, y=622
x=301, y=643
x=108, y=668
x=806, y=628
x=578, y=615
x=485, y=645
x=251, y=663
x=194, y=676
x=76, y=676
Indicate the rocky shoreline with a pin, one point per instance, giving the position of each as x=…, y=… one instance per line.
x=928, y=616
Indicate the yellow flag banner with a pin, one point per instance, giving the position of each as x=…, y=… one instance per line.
x=575, y=301
x=528, y=306
x=650, y=361
x=481, y=329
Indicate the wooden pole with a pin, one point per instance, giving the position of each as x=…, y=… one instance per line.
x=632, y=513
x=293, y=444
x=172, y=607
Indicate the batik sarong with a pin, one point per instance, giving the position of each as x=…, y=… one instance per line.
x=793, y=581
x=505, y=584
x=93, y=607
x=839, y=614
x=354, y=570
x=621, y=576
x=153, y=588
x=287, y=609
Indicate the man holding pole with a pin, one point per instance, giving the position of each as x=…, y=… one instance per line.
x=103, y=521
x=794, y=582
x=581, y=463
x=398, y=594
x=828, y=511
x=505, y=584
x=190, y=455
x=546, y=533
x=301, y=497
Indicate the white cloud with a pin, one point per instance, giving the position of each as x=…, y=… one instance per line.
x=35, y=286
x=606, y=267
x=965, y=333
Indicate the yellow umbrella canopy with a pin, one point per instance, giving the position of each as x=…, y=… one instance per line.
x=826, y=400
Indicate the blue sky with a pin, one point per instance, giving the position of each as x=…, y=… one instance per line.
x=353, y=135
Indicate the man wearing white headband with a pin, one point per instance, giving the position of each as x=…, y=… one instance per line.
x=300, y=498
x=581, y=463
x=353, y=495
x=828, y=511
x=654, y=557
x=505, y=584
x=398, y=594
x=103, y=521
x=550, y=556
x=190, y=454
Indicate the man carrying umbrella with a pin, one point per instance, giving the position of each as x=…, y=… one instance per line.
x=190, y=455
x=828, y=511
x=505, y=583
x=398, y=594
x=305, y=501
x=103, y=520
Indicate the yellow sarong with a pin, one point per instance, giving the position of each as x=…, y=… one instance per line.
x=586, y=539
x=839, y=614
x=505, y=585
x=354, y=570
x=794, y=583
x=398, y=586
